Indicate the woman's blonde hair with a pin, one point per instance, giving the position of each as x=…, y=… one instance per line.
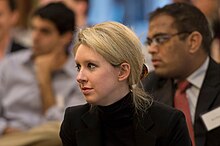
x=118, y=44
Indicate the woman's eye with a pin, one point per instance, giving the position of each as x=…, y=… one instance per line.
x=91, y=66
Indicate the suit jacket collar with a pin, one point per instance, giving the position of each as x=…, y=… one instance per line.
x=92, y=132
x=142, y=126
x=207, y=96
x=210, y=88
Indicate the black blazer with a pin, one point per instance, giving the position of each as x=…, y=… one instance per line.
x=16, y=47
x=159, y=126
x=209, y=98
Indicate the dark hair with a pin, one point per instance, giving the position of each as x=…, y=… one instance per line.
x=187, y=18
x=12, y=4
x=59, y=14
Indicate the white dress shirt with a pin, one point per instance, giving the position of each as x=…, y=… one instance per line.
x=196, y=79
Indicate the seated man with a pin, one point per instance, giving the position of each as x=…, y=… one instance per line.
x=37, y=84
x=179, y=41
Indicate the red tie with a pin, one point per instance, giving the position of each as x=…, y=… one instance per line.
x=181, y=103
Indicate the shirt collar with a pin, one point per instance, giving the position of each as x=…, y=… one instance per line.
x=196, y=78
x=26, y=57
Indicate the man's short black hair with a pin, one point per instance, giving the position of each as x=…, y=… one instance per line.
x=61, y=16
x=188, y=18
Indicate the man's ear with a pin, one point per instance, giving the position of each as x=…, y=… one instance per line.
x=124, y=71
x=194, y=40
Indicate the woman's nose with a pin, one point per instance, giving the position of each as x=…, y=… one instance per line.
x=80, y=77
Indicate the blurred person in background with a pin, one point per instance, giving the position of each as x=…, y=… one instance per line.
x=81, y=9
x=8, y=18
x=212, y=11
x=37, y=84
x=21, y=31
x=45, y=2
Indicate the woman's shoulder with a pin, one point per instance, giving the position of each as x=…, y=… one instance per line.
x=160, y=112
x=166, y=120
x=167, y=124
x=77, y=110
x=77, y=116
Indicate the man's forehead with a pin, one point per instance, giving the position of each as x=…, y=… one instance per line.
x=162, y=20
x=43, y=23
x=160, y=24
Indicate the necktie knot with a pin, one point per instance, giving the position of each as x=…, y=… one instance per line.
x=183, y=85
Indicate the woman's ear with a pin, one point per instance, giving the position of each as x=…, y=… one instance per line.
x=195, y=41
x=124, y=71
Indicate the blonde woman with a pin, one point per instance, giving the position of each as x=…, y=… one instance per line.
x=118, y=113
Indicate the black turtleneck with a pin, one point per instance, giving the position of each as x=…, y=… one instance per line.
x=117, y=122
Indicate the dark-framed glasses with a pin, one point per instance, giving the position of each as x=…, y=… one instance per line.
x=162, y=38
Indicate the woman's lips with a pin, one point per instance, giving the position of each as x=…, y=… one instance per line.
x=86, y=90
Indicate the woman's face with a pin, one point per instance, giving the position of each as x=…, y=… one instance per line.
x=97, y=78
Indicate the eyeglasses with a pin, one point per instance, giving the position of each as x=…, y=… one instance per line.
x=162, y=38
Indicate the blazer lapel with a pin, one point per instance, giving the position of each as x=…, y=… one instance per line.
x=92, y=134
x=143, y=136
x=206, y=101
x=209, y=90
x=206, y=98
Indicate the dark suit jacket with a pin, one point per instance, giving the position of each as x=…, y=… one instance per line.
x=16, y=47
x=159, y=126
x=209, y=98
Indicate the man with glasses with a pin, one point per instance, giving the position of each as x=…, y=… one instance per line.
x=179, y=42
